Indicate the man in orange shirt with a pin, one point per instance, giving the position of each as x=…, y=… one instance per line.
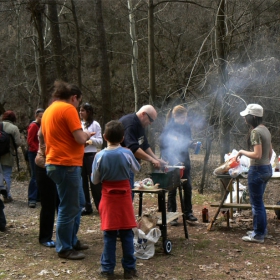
x=65, y=139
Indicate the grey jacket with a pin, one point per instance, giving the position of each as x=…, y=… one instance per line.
x=9, y=127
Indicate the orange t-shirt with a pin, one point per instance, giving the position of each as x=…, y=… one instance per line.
x=59, y=121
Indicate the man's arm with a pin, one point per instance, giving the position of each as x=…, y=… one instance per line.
x=82, y=136
x=149, y=156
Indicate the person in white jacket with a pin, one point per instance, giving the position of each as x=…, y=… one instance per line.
x=95, y=142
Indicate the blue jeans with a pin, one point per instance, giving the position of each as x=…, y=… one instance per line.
x=108, y=257
x=32, y=188
x=71, y=195
x=7, y=173
x=258, y=177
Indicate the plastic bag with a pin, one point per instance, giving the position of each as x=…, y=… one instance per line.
x=144, y=244
x=234, y=172
x=272, y=160
x=242, y=194
x=225, y=167
x=146, y=183
x=146, y=222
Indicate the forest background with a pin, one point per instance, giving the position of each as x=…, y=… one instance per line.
x=212, y=56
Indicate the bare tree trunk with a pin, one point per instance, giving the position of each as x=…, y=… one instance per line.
x=104, y=65
x=37, y=12
x=205, y=163
x=134, y=61
x=61, y=72
x=79, y=55
x=223, y=72
x=151, y=52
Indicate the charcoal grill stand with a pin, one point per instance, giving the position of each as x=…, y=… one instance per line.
x=165, y=217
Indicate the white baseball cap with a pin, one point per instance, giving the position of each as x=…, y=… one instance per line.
x=253, y=109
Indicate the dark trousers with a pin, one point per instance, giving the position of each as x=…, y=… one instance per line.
x=187, y=197
x=95, y=189
x=49, y=204
x=2, y=216
x=33, y=195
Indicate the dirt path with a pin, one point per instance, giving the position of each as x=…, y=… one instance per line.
x=218, y=254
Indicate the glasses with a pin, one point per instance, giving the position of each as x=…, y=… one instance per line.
x=150, y=119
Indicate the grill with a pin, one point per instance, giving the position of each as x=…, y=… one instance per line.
x=167, y=180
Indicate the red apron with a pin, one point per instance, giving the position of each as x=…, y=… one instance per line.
x=115, y=208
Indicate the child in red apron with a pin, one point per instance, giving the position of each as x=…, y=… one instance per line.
x=111, y=167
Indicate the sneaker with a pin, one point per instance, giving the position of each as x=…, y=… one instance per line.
x=251, y=231
x=8, y=199
x=86, y=212
x=191, y=218
x=3, y=191
x=80, y=246
x=49, y=244
x=106, y=274
x=71, y=255
x=174, y=223
x=130, y=274
x=250, y=238
x=3, y=228
x=32, y=204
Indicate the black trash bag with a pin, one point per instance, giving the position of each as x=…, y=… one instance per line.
x=277, y=212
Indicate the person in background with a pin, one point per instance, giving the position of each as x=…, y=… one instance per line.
x=175, y=141
x=7, y=160
x=33, y=145
x=65, y=140
x=135, y=138
x=3, y=191
x=260, y=171
x=89, y=124
x=112, y=166
x=49, y=197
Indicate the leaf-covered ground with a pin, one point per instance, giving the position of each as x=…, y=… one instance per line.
x=218, y=254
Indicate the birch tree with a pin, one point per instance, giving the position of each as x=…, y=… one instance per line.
x=134, y=60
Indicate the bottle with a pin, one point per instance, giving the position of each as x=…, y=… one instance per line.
x=205, y=215
x=277, y=167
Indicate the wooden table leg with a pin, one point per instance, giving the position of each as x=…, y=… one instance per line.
x=221, y=204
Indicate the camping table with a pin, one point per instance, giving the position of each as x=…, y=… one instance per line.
x=238, y=205
x=164, y=217
x=230, y=187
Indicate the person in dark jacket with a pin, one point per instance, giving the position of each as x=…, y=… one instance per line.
x=33, y=145
x=49, y=196
x=135, y=138
x=175, y=141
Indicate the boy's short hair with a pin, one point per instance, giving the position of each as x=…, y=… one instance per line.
x=114, y=131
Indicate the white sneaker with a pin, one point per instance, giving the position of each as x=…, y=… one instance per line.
x=251, y=231
x=250, y=238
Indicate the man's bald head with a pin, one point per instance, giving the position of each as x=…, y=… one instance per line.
x=146, y=114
